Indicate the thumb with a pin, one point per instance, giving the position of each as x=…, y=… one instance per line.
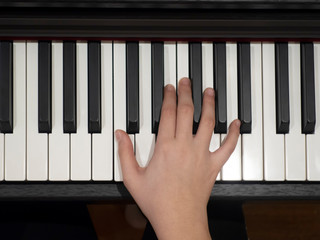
x=221, y=155
x=128, y=162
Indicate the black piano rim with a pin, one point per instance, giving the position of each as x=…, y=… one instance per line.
x=104, y=191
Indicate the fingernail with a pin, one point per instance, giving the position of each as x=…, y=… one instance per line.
x=170, y=87
x=210, y=91
x=118, y=135
x=238, y=123
x=185, y=81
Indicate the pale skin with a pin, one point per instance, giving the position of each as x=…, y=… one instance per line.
x=174, y=189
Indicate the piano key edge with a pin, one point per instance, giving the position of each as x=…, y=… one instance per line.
x=110, y=191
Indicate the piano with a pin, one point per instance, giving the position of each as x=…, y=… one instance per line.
x=71, y=72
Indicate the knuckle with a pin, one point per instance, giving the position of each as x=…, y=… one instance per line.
x=186, y=108
x=183, y=89
x=168, y=111
x=208, y=122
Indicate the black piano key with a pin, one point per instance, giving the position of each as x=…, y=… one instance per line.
x=282, y=88
x=195, y=75
x=94, y=87
x=219, y=61
x=44, y=87
x=244, y=87
x=69, y=87
x=6, y=87
x=308, y=107
x=157, y=58
x=132, y=87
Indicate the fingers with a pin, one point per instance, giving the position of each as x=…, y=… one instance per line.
x=167, y=125
x=227, y=147
x=185, y=109
x=128, y=162
x=207, y=121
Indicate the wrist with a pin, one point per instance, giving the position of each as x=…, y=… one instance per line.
x=182, y=225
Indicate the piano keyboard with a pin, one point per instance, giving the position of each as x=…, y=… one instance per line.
x=60, y=103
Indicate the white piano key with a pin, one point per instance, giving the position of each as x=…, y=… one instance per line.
x=207, y=81
x=59, y=143
x=182, y=60
x=252, y=144
x=273, y=143
x=232, y=168
x=313, y=140
x=102, y=143
x=145, y=139
x=81, y=141
x=119, y=100
x=295, y=140
x=37, y=143
x=170, y=74
x=15, y=143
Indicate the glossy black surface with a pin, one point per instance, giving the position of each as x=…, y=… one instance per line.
x=94, y=87
x=219, y=23
x=111, y=191
x=195, y=75
x=282, y=88
x=44, y=87
x=132, y=87
x=157, y=65
x=307, y=88
x=165, y=4
x=244, y=87
x=6, y=87
x=220, y=86
x=69, y=87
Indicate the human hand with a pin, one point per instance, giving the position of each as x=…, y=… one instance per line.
x=174, y=189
